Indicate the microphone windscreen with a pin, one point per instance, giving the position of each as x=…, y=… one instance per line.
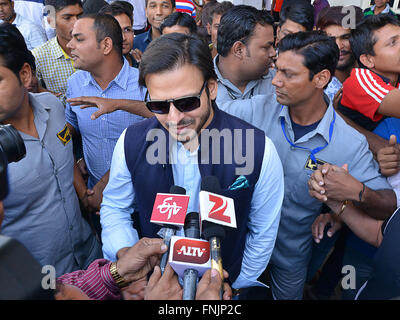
x=177, y=190
x=213, y=230
x=192, y=225
x=210, y=184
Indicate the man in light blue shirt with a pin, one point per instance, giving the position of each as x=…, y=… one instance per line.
x=244, y=60
x=306, y=131
x=247, y=249
x=104, y=73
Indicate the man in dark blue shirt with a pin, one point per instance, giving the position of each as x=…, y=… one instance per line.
x=156, y=12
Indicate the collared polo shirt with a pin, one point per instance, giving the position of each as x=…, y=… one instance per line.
x=42, y=209
x=100, y=136
x=228, y=91
x=54, y=66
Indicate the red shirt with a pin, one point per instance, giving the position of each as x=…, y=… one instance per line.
x=364, y=91
x=96, y=281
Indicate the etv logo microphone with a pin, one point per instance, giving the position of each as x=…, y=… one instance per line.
x=217, y=209
x=170, y=209
x=193, y=251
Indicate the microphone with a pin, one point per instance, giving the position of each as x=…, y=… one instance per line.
x=189, y=254
x=216, y=212
x=169, y=210
x=190, y=276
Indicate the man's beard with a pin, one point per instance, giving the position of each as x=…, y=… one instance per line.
x=349, y=64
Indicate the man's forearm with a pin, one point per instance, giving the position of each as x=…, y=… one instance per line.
x=375, y=142
x=134, y=106
x=378, y=204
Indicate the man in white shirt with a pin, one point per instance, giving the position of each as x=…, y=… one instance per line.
x=33, y=34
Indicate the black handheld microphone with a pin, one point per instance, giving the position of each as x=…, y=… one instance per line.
x=213, y=232
x=190, y=276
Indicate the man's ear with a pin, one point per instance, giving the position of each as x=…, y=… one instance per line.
x=212, y=88
x=107, y=44
x=25, y=75
x=238, y=49
x=322, y=78
x=367, y=60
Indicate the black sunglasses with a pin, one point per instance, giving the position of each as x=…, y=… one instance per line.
x=184, y=104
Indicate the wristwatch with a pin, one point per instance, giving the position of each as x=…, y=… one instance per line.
x=120, y=281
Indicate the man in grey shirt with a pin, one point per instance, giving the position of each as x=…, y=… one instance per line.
x=42, y=208
x=307, y=132
x=245, y=52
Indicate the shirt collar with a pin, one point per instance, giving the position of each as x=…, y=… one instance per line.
x=41, y=115
x=121, y=79
x=386, y=10
x=148, y=37
x=18, y=19
x=322, y=128
x=230, y=86
x=58, y=52
x=386, y=80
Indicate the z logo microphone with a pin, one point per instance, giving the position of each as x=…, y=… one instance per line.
x=217, y=209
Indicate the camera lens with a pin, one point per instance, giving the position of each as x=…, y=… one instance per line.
x=11, y=143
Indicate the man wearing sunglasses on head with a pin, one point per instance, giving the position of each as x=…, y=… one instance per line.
x=178, y=72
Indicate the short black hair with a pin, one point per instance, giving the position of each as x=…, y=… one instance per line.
x=174, y=50
x=299, y=12
x=239, y=24
x=61, y=4
x=179, y=19
x=334, y=16
x=320, y=51
x=220, y=9
x=13, y=50
x=172, y=3
x=206, y=12
x=362, y=38
x=105, y=26
x=117, y=8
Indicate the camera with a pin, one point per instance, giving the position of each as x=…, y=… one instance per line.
x=12, y=149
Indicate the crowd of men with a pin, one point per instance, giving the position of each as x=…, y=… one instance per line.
x=309, y=92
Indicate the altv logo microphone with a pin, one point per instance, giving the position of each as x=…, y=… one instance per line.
x=170, y=209
x=193, y=251
x=217, y=209
x=189, y=253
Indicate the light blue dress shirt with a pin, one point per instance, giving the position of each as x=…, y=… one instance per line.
x=100, y=136
x=264, y=216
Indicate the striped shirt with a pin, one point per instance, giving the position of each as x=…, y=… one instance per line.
x=364, y=92
x=96, y=282
x=186, y=6
x=53, y=66
x=100, y=136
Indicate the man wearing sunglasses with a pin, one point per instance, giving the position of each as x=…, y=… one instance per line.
x=179, y=74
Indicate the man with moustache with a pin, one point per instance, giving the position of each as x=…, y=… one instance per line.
x=331, y=22
x=306, y=130
x=245, y=52
x=180, y=77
